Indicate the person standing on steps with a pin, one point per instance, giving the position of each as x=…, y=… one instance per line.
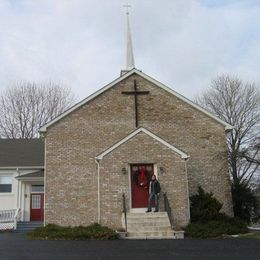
x=154, y=192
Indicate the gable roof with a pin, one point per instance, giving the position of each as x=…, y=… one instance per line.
x=124, y=76
x=133, y=134
x=21, y=153
x=36, y=174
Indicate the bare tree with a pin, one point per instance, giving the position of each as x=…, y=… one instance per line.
x=238, y=104
x=26, y=106
x=252, y=153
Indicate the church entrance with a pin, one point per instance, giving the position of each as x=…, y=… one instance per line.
x=140, y=177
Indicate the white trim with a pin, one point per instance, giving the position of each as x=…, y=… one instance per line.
x=129, y=185
x=44, y=180
x=84, y=101
x=124, y=76
x=187, y=189
x=186, y=100
x=21, y=167
x=30, y=179
x=155, y=172
x=141, y=129
x=98, y=192
x=7, y=194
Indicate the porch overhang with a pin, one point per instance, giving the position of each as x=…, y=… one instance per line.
x=32, y=177
x=132, y=135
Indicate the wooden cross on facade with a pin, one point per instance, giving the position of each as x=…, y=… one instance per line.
x=135, y=93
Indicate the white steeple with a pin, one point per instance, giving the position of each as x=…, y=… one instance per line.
x=130, y=62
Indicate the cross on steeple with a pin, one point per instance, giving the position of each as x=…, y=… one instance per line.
x=127, y=6
x=136, y=93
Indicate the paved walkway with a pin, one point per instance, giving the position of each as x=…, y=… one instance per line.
x=16, y=246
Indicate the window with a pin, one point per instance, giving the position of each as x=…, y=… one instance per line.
x=36, y=201
x=37, y=188
x=5, y=184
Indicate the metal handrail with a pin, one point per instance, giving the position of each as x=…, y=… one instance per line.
x=168, y=209
x=124, y=211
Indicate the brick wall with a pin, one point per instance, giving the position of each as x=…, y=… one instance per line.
x=73, y=142
x=142, y=149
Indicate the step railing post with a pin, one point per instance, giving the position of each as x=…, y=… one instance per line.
x=168, y=209
x=124, y=211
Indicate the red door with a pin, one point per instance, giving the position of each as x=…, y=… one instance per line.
x=140, y=177
x=37, y=210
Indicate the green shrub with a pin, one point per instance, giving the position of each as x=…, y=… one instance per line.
x=244, y=201
x=204, y=206
x=94, y=231
x=207, y=221
x=216, y=228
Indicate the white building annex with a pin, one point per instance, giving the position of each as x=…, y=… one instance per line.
x=21, y=181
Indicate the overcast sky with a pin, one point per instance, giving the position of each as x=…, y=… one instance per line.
x=82, y=43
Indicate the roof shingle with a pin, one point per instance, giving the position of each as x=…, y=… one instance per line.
x=21, y=152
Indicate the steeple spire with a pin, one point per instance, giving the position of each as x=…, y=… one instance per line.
x=130, y=62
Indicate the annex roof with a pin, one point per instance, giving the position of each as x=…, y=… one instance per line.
x=133, y=134
x=124, y=76
x=36, y=174
x=21, y=153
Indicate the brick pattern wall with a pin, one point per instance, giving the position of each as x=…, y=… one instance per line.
x=143, y=149
x=73, y=142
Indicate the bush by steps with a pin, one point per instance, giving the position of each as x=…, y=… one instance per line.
x=207, y=221
x=56, y=232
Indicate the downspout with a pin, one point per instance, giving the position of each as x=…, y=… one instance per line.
x=98, y=189
x=187, y=186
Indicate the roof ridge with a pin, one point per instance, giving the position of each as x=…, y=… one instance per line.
x=119, y=79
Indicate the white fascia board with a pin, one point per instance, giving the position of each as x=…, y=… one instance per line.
x=22, y=167
x=186, y=100
x=141, y=129
x=20, y=178
x=43, y=129
x=182, y=154
x=84, y=101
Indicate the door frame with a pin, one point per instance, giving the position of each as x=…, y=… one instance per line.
x=42, y=199
x=155, y=172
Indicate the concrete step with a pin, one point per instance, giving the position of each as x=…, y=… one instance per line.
x=24, y=227
x=148, y=228
x=148, y=215
x=145, y=221
x=154, y=225
x=151, y=235
x=32, y=224
x=150, y=224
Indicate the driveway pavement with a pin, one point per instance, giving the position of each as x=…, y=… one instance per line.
x=16, y=246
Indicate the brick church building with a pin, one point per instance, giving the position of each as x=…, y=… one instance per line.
x=109, y=144
x=96, y=151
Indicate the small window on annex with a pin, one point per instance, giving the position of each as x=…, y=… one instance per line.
x=5, y=184
x=37, y=188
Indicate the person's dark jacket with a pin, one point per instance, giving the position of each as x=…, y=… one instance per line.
x=154, y=187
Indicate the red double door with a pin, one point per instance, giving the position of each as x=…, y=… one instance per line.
x=140, y=177
x=37, y=207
